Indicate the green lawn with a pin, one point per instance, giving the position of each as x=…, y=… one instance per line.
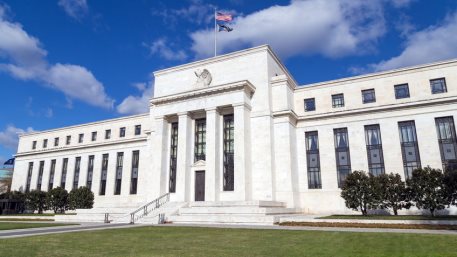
x=188, y=241
x=18, y=225
x=29, y=214
x=390, y=217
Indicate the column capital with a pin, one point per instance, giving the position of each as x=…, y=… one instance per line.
x=212, y=109
x=245, y=105
x=183, y=113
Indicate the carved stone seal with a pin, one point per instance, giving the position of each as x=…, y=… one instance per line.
x=203, y=78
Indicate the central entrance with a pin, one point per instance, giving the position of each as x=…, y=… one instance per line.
x=200, y=185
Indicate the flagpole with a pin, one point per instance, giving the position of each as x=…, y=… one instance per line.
x=215, y=33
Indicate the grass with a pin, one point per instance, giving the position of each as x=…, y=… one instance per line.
x=192, y=241
x=28, y=214
x=390, y=217
x=25, y=219
x=18, y=225
x=370, y=225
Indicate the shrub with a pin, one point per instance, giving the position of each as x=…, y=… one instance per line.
x=427, y=189
x=450, y=186
x=361, y=192
x=36, y=200
x=393, y=192
x=57, y=199
x=81, y=198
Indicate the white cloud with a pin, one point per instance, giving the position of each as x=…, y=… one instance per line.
x=197, y=12
x=76, y=9
x=401, y=3
x=162, y=48
x=10, y=136
x=431, y=44
x=331, y=28
x=139, y=103
x=26, y=60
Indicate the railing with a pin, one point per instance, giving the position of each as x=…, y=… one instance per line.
x=149, y=207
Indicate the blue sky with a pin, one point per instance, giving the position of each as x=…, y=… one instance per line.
x=65, y=62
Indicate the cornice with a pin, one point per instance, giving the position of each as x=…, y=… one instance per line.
x=239, y=85
x=79, y=147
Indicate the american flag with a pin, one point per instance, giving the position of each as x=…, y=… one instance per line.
x=223, y=17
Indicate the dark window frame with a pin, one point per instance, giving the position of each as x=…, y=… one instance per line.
x=134, y=174
x=447, y=139
x=40, y=176
x=340, y=152
x=45, y=143
x=93, y=136
x=310, y=104
x=200, y=140
x=118, y=175
x=173, y=156
x=107, y=134
x=443, y=88
x=312, y=151
x=367, y=92
x=338, y=100
x=63, y=178
x=68, y=140
x=408, y=141
x=76, y=173
x=122, y=132
x=34, y=145
x=29, y=177
x=56, y=141
x=103, y=174
x=137, y=130
x=81, y=138
x=402, y=91
x=228, y=152
x=375, y=168
x=52, y=171
x=90, y=171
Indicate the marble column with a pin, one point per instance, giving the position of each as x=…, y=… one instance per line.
x=213, y=155
x=242, y=154
x=184, y=158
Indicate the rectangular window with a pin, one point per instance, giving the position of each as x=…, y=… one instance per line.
x=337, y=100
x=401, y=91
x=409, y=147
x=134, y=175
x=80, y=138
x=447, y=141
x=122, y=132
x=56, y=141
x=40, y=176
x=173, y=156
x=33, y=145
x=312, y=160
x=104, y=174
x=76, y=174
x=229, y=150
x=90, y=171
x=343, y=158
x=68, y=140
x=94, y=136
x=438, y=85
x=200, y=139
x=45, y=143
x=52, y=171
x=310, y=104
x=118, y=179
x=29, y=177
x=137, y=130
x=64, y=173
x=108, y=134
x=374, y=149
x=368, y=96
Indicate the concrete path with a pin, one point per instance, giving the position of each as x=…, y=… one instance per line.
x=60, y=229
x=333, y=229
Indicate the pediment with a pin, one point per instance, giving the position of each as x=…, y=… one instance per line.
x=199, y=163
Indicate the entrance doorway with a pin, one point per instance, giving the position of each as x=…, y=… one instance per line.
x=200, y=185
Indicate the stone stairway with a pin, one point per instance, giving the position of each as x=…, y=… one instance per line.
x=231, y=212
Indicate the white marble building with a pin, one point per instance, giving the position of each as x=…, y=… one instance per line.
x=238, y=127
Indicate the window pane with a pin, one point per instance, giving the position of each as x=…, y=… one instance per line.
x=312, y=159
x=401, y=91
x=343, y=159
x=438, y=86
x=374, y=149
x=310, y=104
x=447, y=141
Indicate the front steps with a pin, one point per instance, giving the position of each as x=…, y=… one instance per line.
x=243, y=212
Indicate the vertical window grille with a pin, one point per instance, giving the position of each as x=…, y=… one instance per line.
x=64, y=173
x=447, y=141
x=438, y=86
x=76, y=175
x=312, y=160
x=200, y=139
x=229, y=150
x=337, y=100
x=173, y=156
x=374, y=149
x=104, y=174
x=90, y=171
x=409, y=147
x=343, y=158
x=134, y=176
x=118, y=181
x=52, y=171
x=40, y=175
x=29, y=177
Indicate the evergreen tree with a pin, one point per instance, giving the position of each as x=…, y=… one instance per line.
x=57, y=199
x=450, y=186
x=81, y=198
x=360, y=192
x=36, y=200
x=393, y=192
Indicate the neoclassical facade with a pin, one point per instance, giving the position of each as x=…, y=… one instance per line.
x=238, y=127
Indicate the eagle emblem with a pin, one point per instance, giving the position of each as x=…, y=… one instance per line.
x=203, y=78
